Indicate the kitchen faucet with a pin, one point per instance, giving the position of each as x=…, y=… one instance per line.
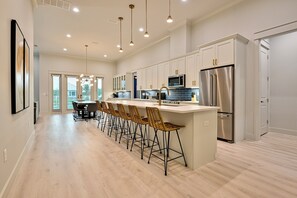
x=160, y=93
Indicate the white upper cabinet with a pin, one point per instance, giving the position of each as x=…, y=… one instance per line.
x=218, y=54
x=178, y=66
x=151, y=77
x=163, y=73
x=192, y=71
x=141, y=79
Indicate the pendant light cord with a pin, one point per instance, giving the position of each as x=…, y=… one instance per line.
x=146, y=15
x=86, y=59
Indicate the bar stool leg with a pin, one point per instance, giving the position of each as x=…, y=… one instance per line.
x=134, y=136
x=165, y=146
x=181, y=148
x=152, y=147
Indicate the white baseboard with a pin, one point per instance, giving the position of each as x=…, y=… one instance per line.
x=284, y=131
x=17, y=166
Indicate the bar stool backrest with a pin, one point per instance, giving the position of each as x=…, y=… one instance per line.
x=98, y=105
x=104, y=107
x=155, y=119
x=111, y=109
x=122, y=112
x=134, y=113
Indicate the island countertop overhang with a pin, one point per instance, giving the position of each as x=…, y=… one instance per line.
x=181, y=108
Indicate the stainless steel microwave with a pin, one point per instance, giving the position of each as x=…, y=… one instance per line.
x=177, y=81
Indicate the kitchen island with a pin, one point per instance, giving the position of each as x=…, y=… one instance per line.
x=199, y=136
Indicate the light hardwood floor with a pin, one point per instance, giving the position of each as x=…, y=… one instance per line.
x=69, y=160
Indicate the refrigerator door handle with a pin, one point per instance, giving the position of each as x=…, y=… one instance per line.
x=214, y=94
x=211, y=90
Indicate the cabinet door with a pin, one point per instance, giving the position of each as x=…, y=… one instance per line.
x=149, y=77
x=178, y=66
x=208, y=55
x=181, y=66
x=192, y=78
x=163, y=73
x=154, y=78
x=225, y=53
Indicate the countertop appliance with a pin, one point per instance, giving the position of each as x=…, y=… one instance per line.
x=177, y=81
x=217, y=89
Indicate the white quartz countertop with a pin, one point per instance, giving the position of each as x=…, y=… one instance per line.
x=181, y=108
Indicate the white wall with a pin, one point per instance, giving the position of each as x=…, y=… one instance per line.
x=245, y=18
x=15, y=129
x=283, y=94
x=70, y=65
x=155, y=54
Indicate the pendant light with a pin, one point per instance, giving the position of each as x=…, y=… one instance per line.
x=84, y=78
x=121, y=47
x=169, y=18
x=146, y=34
x=131, y=6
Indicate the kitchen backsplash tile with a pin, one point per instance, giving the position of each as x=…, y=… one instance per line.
x=181, y=94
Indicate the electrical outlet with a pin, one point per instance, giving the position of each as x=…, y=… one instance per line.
x=5, y=155
x=206, y=123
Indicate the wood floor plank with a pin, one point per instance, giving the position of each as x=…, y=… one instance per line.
x=75, y=159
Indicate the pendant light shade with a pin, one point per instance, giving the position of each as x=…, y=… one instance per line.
x=131, y=6
x=121, y=46
x=86, y=79
x=169, y=18
x=146, y=34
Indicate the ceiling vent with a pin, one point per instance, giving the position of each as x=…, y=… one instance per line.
x=66, y=5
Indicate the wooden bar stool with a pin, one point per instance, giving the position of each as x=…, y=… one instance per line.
x=156, y=121
x=115, y=120
x=100, y=113
x=126, y=124
x=106, y=116
x=140, y=122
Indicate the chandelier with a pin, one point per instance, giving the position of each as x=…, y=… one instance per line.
x=86, y=79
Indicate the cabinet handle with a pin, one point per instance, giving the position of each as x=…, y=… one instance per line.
x=163, y=85
x=213, y=61
x=151, y=86
x=216, y=61
x=176, y=71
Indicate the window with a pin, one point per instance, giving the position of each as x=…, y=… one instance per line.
x=86, y=92
x=56, y=92
x=99, y=88
x=71, y=91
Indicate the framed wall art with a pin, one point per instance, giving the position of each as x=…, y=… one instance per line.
x=17, y=68
x=27, y=75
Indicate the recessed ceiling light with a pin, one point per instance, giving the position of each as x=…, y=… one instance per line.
x=184, y=0
x=141, y=29
x=65, y=49
x=75, y=9
x=118, y=46
x=68, y=35
x=105, y=55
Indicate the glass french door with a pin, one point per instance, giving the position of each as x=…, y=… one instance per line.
x=99, y=88
x=56, y=93
x=72, y=90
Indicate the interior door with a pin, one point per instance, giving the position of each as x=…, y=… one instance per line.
x=264, y=100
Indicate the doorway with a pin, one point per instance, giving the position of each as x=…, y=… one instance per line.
x=265, y=86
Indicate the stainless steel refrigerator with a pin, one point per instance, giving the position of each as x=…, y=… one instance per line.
x=217, y=89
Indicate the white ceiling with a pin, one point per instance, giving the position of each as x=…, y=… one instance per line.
x=97, y=24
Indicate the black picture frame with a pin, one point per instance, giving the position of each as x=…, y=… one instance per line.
x=26, y=75
x=17, y=68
